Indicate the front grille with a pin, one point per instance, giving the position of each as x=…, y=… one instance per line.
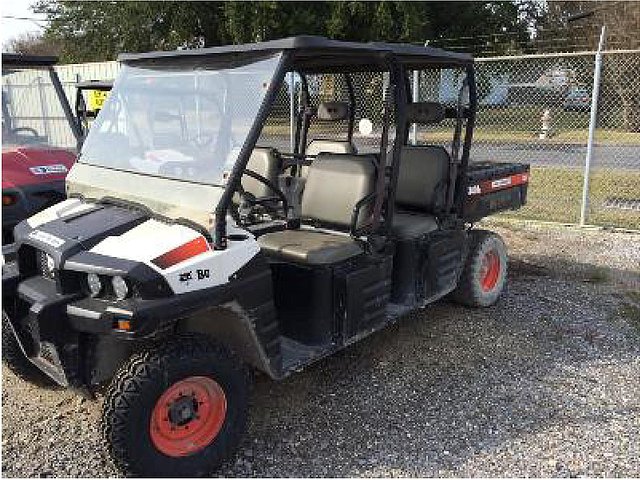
x=42, y=263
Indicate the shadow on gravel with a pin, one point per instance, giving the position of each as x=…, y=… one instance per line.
x=547, y=266
x=428, y=395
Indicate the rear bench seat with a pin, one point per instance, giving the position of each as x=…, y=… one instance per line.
x=422, y=179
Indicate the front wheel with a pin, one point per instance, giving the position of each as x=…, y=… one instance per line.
x=484, y=274
x=178, y=410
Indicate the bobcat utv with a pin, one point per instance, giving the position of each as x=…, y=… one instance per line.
x=203, y=238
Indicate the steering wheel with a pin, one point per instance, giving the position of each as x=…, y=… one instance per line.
x=267, y=201
x=30, y=130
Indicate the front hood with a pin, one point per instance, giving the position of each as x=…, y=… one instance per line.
x=23, y=166
x=169, y=198
x=73, y=226
x=109, y=239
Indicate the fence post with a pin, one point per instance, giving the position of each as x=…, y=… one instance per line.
x=416, y=96
x=292, y=112
x=44, y=109
x=597, y=72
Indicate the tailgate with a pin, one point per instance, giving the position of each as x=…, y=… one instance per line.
x=494, y=187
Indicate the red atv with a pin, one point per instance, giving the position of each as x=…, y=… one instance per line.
x=39, y=138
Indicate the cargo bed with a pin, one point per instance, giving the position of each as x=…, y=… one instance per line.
x=493, y=187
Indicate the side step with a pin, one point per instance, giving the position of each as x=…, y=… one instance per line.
x=296, y=355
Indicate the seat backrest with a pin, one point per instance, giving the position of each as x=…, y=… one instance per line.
x=266, y=162
x=335, y=184
x=422, y=178
x=331, y=112
x=318, y=146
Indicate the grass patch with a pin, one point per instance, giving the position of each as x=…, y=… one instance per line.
x=555, y=194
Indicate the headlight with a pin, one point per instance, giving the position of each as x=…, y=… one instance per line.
x=94, y=283
x=51, y=265
x=120, y=287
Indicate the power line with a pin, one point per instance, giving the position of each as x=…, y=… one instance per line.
x=32, y=19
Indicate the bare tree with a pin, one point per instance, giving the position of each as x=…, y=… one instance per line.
x=32, y=43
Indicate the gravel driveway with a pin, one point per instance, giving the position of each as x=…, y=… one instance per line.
x=545, y=383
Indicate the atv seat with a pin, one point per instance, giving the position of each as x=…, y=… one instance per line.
x=336, y=183
x=421, y=190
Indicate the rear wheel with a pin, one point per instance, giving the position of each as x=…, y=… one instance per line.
x=485, y=271
x=14, y=358
x=178, y=410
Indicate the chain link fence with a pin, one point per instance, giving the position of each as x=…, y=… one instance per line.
x=536, y=109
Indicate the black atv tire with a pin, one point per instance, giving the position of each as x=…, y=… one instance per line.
x=158, y=392
x=14, y=358
x=484, y=274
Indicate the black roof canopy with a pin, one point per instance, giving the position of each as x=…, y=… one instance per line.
x=311, y=52
x=19, y=60
x=103, y=85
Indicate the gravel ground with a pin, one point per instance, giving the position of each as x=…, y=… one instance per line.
x=545, y=383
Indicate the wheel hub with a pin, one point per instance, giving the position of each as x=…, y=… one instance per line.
x=183, y=410
x=490, y=270
x=188, y=416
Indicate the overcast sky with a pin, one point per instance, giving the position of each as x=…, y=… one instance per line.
x=11, y=27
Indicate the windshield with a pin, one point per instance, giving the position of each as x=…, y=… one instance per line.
x=186, y=121
x=32, y=112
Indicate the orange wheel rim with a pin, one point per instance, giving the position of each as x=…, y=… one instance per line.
x=490, y=270
x=188, y=416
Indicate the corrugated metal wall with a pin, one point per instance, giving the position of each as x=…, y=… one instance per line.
x=32, y=103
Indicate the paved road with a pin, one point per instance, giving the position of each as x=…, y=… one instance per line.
x=568, y=155
x=609, y=156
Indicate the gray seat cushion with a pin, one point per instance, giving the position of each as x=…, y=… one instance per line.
x=423, y=177
x=318, y=146
x=413, y=225
x=309, y=246
x=334, y=186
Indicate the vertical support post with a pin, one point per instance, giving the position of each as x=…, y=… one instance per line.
x=415, y=93
x=595, y=92
x=292, y=112
x=43, y=109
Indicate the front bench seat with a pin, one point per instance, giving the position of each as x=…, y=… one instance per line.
x=310, y=247
x=336, y=183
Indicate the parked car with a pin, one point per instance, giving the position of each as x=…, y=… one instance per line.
x=578, y=99
x=39, y=138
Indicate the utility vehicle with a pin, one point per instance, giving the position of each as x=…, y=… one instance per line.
x=203, y=238
x=39, y=138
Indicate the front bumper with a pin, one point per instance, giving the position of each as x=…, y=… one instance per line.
x=78, y=340
x=73, y=339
